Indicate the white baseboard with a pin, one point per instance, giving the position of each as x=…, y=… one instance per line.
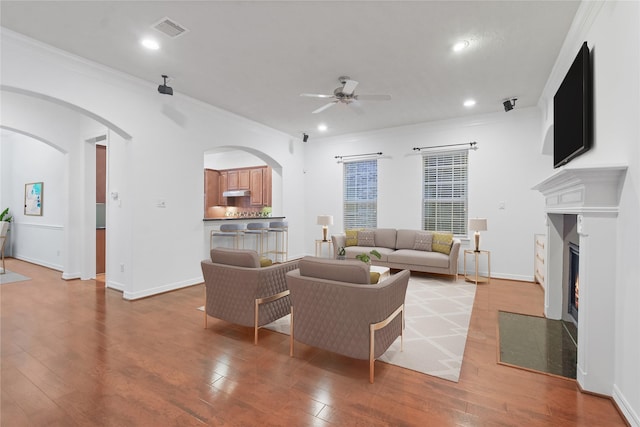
x=115, y=285
x=630, y=415
x=36, y=261
x=71, y=276
x=161, y=289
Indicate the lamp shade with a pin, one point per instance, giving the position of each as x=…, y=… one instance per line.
x=478, y=224
x=325, y=219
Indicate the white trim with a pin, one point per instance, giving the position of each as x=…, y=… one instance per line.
x=52, y=266
x=625, y=407
x=160, y=289
x=34, y=225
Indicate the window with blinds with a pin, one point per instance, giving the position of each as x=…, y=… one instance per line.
x=361, y=194
x=444, y=193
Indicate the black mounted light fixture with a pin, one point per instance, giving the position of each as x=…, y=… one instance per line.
x=163, y=88
x=509, y=104
x=305, y=137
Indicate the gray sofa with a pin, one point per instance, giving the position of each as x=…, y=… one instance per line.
x=334, y=307
x=397, y=248
x=239, y=291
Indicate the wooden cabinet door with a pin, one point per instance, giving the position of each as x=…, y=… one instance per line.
x=244, y=179
x=266, y=186
x=224, y=186
x=211, y=189
x=256, y=187
x=232, y=180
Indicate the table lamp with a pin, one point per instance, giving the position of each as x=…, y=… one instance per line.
x=325, y=221
x=477, y=225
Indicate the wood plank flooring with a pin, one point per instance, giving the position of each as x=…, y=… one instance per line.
x=75, y=353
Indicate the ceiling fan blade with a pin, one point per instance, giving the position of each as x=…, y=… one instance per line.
x=316, y=95
x=356, y=107
x=373, y=97
x=349, y=87
x=324, y=107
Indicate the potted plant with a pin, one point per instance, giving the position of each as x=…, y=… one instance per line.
x=4, y=216
x=342, y=254
x=364, y=257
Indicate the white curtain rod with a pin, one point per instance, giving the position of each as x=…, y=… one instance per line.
x=472, y=146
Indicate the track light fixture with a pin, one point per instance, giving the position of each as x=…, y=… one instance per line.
x=509, y=104
x=305, y=137
x=163, y=88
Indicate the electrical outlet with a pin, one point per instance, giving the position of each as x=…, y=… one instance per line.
x=58, y=252
x=121, y=268
x=502, y=205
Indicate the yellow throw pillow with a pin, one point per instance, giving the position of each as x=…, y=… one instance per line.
x=442, y=242
x=375, y=276
x=352, y=237
x=265, y=262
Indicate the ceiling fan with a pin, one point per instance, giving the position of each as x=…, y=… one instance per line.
x=345, y=94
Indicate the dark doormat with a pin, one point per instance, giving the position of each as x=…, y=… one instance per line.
x=538, y=344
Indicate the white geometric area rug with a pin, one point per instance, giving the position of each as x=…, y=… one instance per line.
x=437, y=315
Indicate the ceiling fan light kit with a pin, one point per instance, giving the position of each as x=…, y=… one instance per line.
x=345, y=95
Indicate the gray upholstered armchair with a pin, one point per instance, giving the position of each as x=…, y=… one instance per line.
x=335, y=308
x=240, y=291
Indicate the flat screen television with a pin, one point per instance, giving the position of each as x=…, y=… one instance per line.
x=572, y=111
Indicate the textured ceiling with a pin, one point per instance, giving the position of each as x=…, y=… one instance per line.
x=255, y=58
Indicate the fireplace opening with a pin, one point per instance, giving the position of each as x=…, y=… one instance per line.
x=574, y=282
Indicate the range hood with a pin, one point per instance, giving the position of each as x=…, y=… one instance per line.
x=236, y=193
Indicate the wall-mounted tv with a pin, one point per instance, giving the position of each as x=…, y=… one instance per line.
x=572, y=111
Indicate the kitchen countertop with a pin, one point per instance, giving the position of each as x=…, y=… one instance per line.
x=244, y=218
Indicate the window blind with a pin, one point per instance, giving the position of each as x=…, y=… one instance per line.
x=361, y=194
x=444, y=195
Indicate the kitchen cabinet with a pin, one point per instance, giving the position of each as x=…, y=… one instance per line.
x=224, y=185
x=211, y=189
x=256, y=187
x=238, y=179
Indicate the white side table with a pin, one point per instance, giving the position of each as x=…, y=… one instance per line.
x=384, y=271
x=476, y=255
x=319, y=247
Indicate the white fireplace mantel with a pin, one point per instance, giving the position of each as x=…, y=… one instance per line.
x=593, y=194
x=583, y=190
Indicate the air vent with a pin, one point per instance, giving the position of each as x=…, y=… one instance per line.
x=169, y=27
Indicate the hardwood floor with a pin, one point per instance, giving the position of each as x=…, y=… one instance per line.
x=75, y=353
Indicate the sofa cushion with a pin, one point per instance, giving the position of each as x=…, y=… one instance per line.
x=366, y=238
x=385, y=237
x=265, y=262
x=406, y=239
x=413, y=257
x=375, y=277
x=442, y=242
x=331, y=269
x=352, y=237
x=235, y=257
x=423, y=242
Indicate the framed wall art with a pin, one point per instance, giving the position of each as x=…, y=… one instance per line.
x=33, y=198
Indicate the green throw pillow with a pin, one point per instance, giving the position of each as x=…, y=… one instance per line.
x=265, y=262
x=375, y=276
x=442, y=242
x=352, y=237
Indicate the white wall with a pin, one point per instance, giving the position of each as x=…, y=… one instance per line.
x=160, y=143
x=496, y=174
x=36, y=239
x=612, y=31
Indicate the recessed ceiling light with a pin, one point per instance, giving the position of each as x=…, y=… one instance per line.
x=469, y=103
x=322, y=127
x=150, y=44
x=463, y=44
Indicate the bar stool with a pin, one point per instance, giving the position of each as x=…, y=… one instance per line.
x=229, y=230
x=259, y=231
x=280, y=229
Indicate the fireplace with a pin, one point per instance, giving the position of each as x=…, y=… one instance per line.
x=573, y=296
x=585, y=200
